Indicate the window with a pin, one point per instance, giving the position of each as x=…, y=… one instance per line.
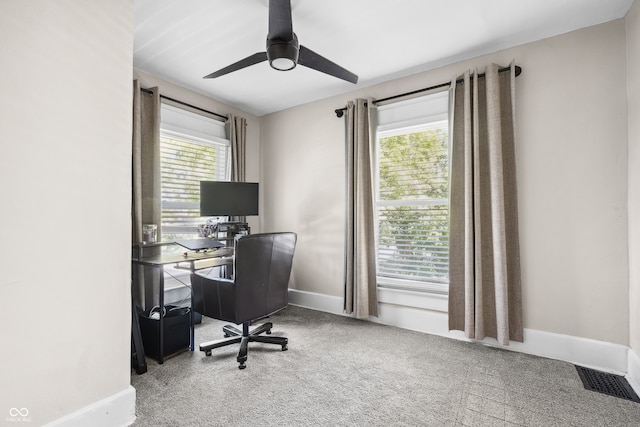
x=412, y=194
x=193, y=148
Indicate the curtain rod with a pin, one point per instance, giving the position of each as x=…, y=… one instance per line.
x=185, y=104
x=340, y=111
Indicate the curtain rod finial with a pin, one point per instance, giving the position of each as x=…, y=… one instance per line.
x=339, y=112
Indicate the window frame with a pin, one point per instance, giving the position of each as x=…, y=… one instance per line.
x=413, y=115
x=197, y=129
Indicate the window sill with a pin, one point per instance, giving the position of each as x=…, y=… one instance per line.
x=409, y=285
x=433, y=297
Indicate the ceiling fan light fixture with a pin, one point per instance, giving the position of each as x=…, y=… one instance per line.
x=282, y=64
x=283, y=55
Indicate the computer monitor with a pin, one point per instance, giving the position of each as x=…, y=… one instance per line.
x=223, y=198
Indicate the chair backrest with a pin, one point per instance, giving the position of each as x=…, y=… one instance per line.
x=262, y=269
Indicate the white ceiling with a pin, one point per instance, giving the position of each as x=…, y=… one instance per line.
x=183, y=40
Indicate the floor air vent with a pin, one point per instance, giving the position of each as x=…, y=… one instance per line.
x=603, y=382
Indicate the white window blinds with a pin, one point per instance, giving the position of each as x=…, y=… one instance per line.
x=193, y=148
x=412, y=204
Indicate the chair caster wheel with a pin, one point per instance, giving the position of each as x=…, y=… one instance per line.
x=268, y=331
x=285, y=348
x=207, y=353
x=227, y=335
x=242, y=366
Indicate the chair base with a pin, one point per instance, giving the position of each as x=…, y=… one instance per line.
x=234, y=335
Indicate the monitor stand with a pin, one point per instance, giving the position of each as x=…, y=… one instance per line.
x=231, y=230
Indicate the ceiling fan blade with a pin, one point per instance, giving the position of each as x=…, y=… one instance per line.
x=243, y=63
x=280, y=25
x=310, y=59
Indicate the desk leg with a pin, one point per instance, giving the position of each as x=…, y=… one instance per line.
x=138, y=360
x=161, y=320
x=192, y=325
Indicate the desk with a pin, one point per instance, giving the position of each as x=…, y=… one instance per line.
x=187, y=260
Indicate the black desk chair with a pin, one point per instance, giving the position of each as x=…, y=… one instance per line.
x=259, y=289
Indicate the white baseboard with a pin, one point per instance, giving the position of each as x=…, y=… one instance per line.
x=633, y=371
x=315, y=301
x=114, y=411
x=600, y=355
x=431, y=318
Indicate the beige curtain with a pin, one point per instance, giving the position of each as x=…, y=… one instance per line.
x=484, y=255
x=146, y=207
x=360, y=297
x=237, y=133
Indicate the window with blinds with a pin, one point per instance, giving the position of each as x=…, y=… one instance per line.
x=412, y=197
x=192, y=149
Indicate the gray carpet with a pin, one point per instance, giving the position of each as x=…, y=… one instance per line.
x=344, y=372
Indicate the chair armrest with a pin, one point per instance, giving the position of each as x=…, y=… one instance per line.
x=213, y=297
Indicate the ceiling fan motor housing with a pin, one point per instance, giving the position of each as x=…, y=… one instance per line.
x=283, y=54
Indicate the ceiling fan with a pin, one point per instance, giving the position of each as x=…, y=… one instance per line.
x=283, y=51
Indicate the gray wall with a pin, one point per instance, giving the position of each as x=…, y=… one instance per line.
x=633, y=87
x=65, y=181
